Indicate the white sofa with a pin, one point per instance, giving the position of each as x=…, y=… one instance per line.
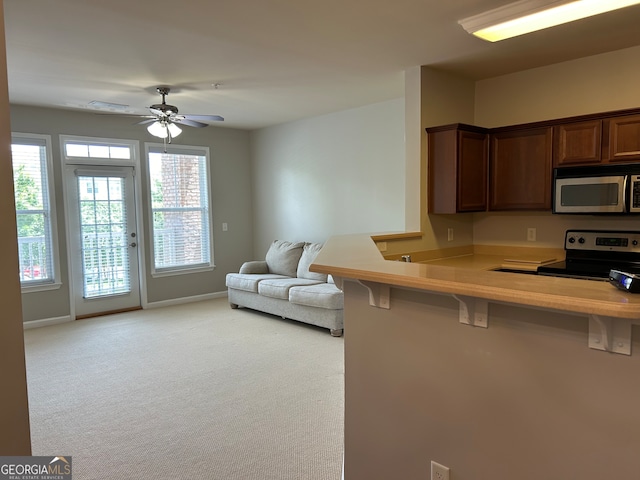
x=283, y=285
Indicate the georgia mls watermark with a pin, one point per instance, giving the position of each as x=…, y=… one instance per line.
x=35, y=468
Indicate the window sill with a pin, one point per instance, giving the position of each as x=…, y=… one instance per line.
x=43, y=287
x=182, y=271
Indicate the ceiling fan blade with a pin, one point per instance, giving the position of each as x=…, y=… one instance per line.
x=210, y=118
x=157, y=112
x=122, y=115
x=191, y=123
x=148, y=120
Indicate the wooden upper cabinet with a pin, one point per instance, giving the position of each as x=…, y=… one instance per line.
x=458, y=164
x=520, y=169
x=521, y=159
x=578, y=143
x=624, y=139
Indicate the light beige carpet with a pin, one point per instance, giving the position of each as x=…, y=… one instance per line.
x=191, y=391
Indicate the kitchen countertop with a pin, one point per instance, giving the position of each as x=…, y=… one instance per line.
x=357, y=257
x=491, y=262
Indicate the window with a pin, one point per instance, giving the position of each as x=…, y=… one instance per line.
x=98, y=151
x=179, y=199
x=88, y=150
x=35, y=215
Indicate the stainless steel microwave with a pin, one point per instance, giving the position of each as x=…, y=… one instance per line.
x=612, y=189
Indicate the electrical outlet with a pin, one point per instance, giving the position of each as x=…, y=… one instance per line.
x=382, y=246
x=225, y=227
x=439, y=472
x=450, y=234
x=531, y=234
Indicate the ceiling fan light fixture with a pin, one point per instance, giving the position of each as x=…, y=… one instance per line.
x=526, y=16
x=158, y=129
x=174, y=130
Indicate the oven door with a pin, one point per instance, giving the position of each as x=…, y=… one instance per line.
x=590, y=194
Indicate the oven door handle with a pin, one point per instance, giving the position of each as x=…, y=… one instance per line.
x=625, y=184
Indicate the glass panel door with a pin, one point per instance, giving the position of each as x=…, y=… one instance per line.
x=104, y=246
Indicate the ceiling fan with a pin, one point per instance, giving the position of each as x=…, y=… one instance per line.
x=164, y=117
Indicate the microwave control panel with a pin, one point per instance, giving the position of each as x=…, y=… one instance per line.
x=606, y=241
x=635, y=193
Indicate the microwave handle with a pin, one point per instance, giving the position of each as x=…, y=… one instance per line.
x=624, y=193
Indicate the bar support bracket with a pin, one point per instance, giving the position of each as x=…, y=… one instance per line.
x=379, y=294
x=473, y=311
x=610, y=334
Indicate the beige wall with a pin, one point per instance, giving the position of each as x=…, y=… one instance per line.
x=524, y=399
x=334, y=174
x=588, y=85
x=15, y=437
x=442, y=99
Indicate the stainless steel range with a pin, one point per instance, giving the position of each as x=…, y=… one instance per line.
x=592, y=254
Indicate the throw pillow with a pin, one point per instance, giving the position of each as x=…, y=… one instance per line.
x=283, y=257
x=309, y=253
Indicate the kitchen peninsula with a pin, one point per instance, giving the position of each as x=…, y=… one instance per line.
x=495, y=375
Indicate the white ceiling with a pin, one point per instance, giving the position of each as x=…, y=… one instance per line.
x=275, y=60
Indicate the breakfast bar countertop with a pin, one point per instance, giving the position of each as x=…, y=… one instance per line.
x=357, y=257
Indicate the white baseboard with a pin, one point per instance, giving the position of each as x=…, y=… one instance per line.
x=46, y=322
x=163, y=303
x=180, y=301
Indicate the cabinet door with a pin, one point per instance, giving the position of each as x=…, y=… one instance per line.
x=458, y=158
x=577, y=143
x=624, y=139
x=520, y=170
x=472, y=171
x=442, y=171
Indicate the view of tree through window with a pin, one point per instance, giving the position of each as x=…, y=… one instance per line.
x=32, y=212
x=180, y=210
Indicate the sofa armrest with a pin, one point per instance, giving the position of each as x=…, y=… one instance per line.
x=256, y=266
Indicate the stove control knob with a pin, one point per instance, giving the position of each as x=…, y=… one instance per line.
x=581, y=240
x=635, y=243
x=572, y=240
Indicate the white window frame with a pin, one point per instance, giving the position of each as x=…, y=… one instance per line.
x=134, y=162
x=53, y=283
x=187, y=150
x=106, y=142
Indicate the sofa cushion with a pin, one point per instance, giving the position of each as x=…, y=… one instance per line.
x=322, y=295
x=254, y=266
x=248, y=281
x=309, y=254
x=283, y=257
x=279, y=287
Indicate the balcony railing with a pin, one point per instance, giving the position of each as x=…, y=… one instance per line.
x=33, y=259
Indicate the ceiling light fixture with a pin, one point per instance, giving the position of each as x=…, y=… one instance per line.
x=162, y=129
x=174, y=130
x=526, y=16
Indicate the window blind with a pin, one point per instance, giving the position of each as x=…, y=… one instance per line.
x=33, y=210
x=180, y=208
